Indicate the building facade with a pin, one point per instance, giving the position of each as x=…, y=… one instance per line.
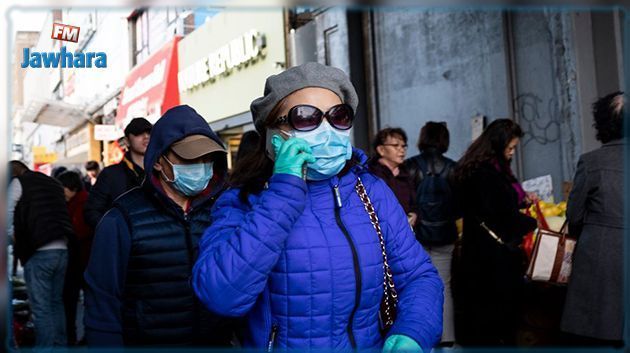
x=543, y=68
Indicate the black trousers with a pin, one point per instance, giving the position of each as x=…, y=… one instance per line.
x=71, y=289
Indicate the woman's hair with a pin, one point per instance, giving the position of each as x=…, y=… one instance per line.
x=254, y=169
x=249, y=143
x=381, y=137
x=434, y=135
x=490, y=146
x=608, y=117
x=71, y=180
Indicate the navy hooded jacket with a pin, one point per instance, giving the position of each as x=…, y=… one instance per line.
x=138, y=289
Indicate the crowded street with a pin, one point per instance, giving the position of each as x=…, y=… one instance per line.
x=316, y=178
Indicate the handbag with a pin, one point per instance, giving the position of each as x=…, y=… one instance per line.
x=389, y=303
x=530, y=238
x=552, y=257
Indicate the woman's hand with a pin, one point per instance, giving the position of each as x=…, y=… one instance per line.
x=531, y=198
x=401, y=343
x=412, y=217
x=291, y=155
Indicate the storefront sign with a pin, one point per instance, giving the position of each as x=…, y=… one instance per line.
x=49, y=157
x=107, y=132
x=238, y=53
x=143, y=84
x=151, y=87
x=225, y=61
x=77, y=142
x=42, y=156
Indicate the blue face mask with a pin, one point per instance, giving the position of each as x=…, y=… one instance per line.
x=190, y=179
x=331, y=147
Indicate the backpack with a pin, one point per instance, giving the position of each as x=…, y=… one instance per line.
x=436, y=205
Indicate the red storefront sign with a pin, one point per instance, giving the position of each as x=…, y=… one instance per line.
x=151, y=87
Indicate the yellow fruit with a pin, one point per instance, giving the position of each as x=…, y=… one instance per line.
x=555, y=222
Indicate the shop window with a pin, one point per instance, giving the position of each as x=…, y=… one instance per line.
x=301, y=15
x=139, y=25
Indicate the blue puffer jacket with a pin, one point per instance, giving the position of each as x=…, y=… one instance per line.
x=284, y=261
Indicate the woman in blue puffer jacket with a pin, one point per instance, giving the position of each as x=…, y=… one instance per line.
x=292, y=246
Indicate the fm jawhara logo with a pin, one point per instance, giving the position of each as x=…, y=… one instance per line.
x=63, y=58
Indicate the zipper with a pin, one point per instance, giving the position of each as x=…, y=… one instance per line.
x=355, y=260
x=272, y=338
x=189, y=247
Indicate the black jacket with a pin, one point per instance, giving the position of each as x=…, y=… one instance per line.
x=159, y=306
x=489, y=283
x=437, y=213
x=112, y=182
x=41, y=215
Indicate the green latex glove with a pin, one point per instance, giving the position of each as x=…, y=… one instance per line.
x=291, y=155
x=401, y=343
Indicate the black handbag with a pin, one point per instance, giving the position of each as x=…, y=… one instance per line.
x=389, y=303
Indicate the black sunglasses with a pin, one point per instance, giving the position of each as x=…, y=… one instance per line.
x=306, y=117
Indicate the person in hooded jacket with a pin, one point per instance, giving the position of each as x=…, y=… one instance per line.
x=138, y=291
x=292, y=247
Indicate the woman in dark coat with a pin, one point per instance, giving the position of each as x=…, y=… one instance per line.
x=390, y=145
x=491, y=272
x=594, y=310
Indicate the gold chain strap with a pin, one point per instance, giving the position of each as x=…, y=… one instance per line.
x=390, y=296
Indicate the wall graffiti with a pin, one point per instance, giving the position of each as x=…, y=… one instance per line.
x=540, y=121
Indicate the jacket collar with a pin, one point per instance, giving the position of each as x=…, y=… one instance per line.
x=621, y=141
x=375, y=164
x=153, y=187
x=128, y=161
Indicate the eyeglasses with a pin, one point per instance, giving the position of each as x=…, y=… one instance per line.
x=306, y=117
x=396, y=145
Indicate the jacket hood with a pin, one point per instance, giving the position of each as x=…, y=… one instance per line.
x=177, y=123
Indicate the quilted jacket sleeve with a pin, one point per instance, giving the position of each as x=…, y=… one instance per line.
x=243, y=244
x=420, y=289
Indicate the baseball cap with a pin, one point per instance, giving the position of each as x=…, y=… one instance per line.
x=137, y=126
x=195, y=146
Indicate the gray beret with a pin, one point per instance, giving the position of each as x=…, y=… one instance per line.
x=306, y=75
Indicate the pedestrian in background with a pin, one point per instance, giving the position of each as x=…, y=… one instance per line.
x=57, y=171
x=40, y=227
x=116, y=179
x=139, y=291
x=92, y=170
x=594, y=310
x=490, y=279
x=390, y=145
x=78, y=249
x=438, y=209
x=293, y=248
